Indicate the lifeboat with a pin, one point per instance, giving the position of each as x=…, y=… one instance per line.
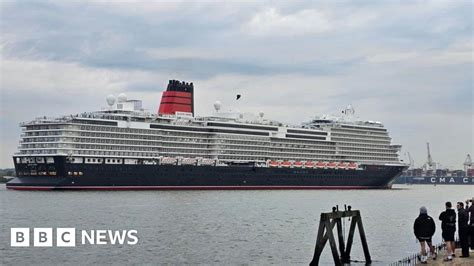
x=309, y=164
x=273, y=164
x=208, y=162
x=342, y=165
x=286, y=164
x=320, y=164
x=168, y=160
x=189, y=161
x=331, y=165
x=297, y=164
x=352, y=166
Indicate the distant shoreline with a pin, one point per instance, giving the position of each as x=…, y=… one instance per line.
x=6, y=172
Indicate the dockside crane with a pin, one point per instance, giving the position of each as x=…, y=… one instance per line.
x=430, y=164
x=410, y=159
x=468, y=163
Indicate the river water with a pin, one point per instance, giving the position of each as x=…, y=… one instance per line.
x=218, y=227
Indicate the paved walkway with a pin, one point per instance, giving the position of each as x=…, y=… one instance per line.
x=456, y=261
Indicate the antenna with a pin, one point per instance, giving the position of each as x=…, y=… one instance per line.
x=348, y=112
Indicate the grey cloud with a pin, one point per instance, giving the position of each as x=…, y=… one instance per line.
x=206, y=68
x=295, y=75
x=98, y=37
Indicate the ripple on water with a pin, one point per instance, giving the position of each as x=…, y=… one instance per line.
x=217, y=227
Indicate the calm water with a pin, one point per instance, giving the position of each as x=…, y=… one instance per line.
x=217, y=227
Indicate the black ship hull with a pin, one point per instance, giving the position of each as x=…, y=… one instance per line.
x=70, y=176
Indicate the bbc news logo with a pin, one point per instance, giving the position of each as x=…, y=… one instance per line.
x=66, y=237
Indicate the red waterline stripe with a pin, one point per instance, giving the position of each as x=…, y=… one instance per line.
x=187, y=187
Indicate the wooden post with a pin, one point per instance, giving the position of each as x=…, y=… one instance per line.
x=325, y=233
x=350, y=238
x=340, y=235
x=363, y=240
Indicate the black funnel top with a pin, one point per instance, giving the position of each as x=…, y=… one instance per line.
x=176, y=85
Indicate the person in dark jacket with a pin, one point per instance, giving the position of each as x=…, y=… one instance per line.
x=463, y=227
x=448, y=228
x=471, y=221
x=424, y=229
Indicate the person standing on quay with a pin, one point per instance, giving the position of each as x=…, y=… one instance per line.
x=448, y=226
x=424, y=229
x=471, y=221
x=463, y=219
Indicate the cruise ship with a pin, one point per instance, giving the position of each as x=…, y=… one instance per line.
x=123, y=147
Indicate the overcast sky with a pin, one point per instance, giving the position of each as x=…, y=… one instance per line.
x=409, y=66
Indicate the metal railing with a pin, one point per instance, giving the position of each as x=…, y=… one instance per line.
x=415, y=258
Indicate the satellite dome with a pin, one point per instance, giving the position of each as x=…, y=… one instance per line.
x=110, y=100
x=217, y=106
x=122, y=97
x=261, y=114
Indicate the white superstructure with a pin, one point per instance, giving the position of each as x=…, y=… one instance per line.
x=125, y=132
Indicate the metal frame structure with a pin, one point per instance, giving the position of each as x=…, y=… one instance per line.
x=325, y=232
